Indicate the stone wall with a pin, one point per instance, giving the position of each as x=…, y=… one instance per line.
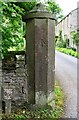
x=14, y=82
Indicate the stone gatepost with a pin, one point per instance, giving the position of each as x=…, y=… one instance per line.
x=1, y=90
x=40, y=48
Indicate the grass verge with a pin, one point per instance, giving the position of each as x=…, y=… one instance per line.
x=68, y=51
x=47, y=112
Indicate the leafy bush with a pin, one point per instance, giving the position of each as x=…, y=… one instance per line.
x=68, y=51
x=59, y=44
x=74, y=49
x=59, y=41
x=75, y=37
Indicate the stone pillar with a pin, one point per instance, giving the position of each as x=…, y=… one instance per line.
x=0, y=101
x=40, y=48
x=1, y=90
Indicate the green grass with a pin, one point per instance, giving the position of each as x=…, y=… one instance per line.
x=59, y=101
x=47, y=112
x=68, y=51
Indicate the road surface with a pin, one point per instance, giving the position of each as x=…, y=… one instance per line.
x=66, y=74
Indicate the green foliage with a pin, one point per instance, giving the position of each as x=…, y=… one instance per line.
x=55, y=9
x=12, y=27
x=27, y=6
x=67, y=42
x=68, y=51
x=75, y=37
x=60, y=36
x=59, y=101
x=60, y=42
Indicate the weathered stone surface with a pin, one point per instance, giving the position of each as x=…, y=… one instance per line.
x=8, y=107
x=14, y=85
x=8, y=92
x=51, y=56
x=39, y=11
x=1, y=92
x=0, y=109
x=41, y=55
x=41, y=98
x=44, y=59
x=40, y=36
x=31, y=60
x=0, y=80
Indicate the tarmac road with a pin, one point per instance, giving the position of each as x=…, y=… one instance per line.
x=66, y=74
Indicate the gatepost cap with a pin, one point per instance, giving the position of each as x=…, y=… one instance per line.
x=39, y=11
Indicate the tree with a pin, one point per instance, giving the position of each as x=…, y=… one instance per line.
x=12, y=25
x=60, y=42
x=55, y=9
x=59, y=39
x=75, y=37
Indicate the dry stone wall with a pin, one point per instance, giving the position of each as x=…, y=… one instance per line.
x=14, y=83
